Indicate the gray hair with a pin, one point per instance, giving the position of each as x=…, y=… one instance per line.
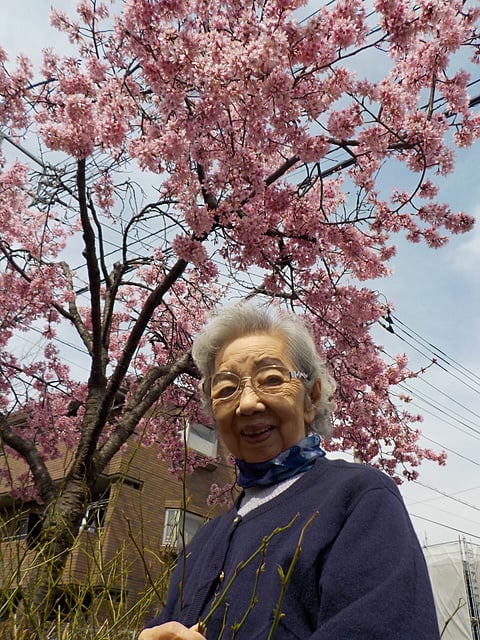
x=246, y=319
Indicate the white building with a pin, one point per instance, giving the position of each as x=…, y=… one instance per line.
x=454, y=569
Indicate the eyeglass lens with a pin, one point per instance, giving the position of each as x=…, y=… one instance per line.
x=226, y=385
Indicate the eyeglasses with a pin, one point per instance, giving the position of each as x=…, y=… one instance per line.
x=268, y=380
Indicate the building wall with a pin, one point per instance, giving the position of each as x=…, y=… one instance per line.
x=454, y=572
x=124, y=553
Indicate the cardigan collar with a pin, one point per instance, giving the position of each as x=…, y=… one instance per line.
x=287, y=464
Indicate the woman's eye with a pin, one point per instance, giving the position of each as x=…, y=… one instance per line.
x=271, y=380
x=224, y=387
x=225, y=391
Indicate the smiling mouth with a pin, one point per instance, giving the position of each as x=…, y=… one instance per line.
x=257, y=432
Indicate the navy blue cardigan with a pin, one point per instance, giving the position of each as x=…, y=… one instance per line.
x=361, y=574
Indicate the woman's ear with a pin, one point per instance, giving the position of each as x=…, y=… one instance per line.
x=312, y=396
x=316, y=391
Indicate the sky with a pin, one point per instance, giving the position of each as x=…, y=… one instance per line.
x=437, y=300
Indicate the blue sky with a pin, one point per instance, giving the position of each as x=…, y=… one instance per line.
x=436, y=294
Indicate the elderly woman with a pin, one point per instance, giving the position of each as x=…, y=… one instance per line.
x=314, y=548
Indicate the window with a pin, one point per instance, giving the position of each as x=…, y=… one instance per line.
x=178, y=521
x=20, y=526
x=203, y=439
x=16, y=527
x=94, y=518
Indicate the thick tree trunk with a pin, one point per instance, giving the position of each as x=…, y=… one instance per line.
x=60, y=527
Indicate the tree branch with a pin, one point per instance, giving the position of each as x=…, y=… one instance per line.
x=41, y=476
x=97, y=373
x=149, y=391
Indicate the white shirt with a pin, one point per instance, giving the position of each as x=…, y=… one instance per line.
x=255, y=496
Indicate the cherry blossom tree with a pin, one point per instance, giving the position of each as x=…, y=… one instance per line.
x=189, y=153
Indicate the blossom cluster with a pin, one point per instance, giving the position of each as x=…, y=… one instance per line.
x=212, y=151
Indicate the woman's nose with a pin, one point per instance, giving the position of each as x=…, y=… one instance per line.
x=248, y=400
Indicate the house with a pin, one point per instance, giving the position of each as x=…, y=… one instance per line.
x=130, y=533
x=454, y=569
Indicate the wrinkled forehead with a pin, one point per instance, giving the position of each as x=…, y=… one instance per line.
x=250, y=352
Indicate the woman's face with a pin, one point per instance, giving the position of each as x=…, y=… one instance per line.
x=257, y=427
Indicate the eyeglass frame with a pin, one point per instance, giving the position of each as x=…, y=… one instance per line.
x=293, y=375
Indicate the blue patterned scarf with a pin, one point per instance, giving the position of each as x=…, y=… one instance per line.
x=287, y=464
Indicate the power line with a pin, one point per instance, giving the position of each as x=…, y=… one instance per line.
x=446, y=395
x=456, y=453
x=436, y=351
x=58, y=340
x=432, y=354
x=442, y=409
x=442, y=419
x=437, y=364
x=446, y=526
x=455, y=493
x=462, y=519
x=447, y=495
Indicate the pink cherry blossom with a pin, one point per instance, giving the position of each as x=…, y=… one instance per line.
x=193, y=153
